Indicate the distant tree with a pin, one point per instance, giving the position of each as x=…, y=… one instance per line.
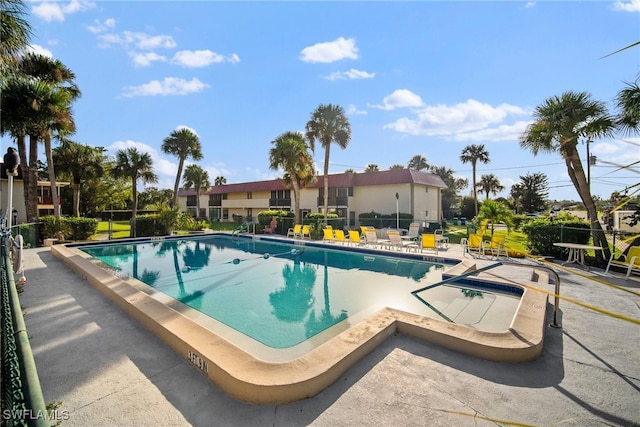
x=15, y=33
x=558, y=124
x=418, y=162
x=328, y=124
x=184, y=144
x=197, y=178
x=80, y=162
x=450, y=197
x=474, y=154
x=220, y=180
x=291, y=153
x=153, y=197
x=628, y=103
x=371, y=168
x=490, y=184
x=396, y=166
x=134, y=165
x=531, y=193
x=350, y=171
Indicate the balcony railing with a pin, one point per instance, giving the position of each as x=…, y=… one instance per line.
x=341, y=201
x=47, y=200
x=276, y=203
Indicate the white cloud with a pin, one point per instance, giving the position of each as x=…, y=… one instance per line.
x=201, y=58
x=530, y=4
x=165, y=169
x=468, y=121
x=327, y=52
x=145, y=59
x=56, y=11
x=353, y=111
x=39, y=50
x=630, y=6
x=352, y=74
x=168, y=86
x=101, y=27
x=139, y=40
x=400, y=98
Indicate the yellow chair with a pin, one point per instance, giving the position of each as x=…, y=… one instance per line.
x=497, y=245
x=630, y=261
x=474, y=243
x=306, y=232
x=340, y=237
x=328, y=235
x=427, y=241
x=354, y=237
x=295, y=231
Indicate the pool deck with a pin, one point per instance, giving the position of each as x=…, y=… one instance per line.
x=108, y=370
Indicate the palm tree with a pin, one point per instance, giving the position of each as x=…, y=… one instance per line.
x=351, y=171
x=133, y=164
x=490, y=184
x=559, y=123
x=418, y=162
x=628, y=102
x=57, y=119
x=198, y=178
x=371, y=167
x=15, y=32
x=220, y=180
x=81, y=162
x=396, y=166
x=474, y=154
x=182, y=143
x=290, y=152
x=496, y=212
x=328, y=124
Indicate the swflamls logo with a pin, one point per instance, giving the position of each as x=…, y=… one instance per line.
x=31, y=415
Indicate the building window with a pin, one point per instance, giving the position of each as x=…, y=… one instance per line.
x=426, y=214
x=249, y=195
x=193, y=211
x=426, y=189
x=225, y=214
x=350, y=191
x=192, y=201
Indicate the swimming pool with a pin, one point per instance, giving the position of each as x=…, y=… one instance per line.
x=351, y=300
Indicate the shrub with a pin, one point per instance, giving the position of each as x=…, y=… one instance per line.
x=542, y=234
x=68, y=228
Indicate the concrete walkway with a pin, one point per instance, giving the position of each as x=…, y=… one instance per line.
x=107, y=370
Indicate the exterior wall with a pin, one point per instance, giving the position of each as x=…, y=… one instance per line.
x=17, y=199
x=381, y=199
x=426, y=203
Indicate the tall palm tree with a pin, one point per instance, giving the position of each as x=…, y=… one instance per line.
x=559, y=123
x=15, y=32
x=135, y=165
x=490, y=184
x=474, y=154
x=198, y=178
x=418, y=162
x=81, y=162
x=220, y=180
x=372, y=167
x=290, y=153
x=328, y=124
x=57, y=119
x=182, y=143
x=628, y=102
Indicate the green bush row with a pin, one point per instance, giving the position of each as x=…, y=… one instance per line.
x=68, y=228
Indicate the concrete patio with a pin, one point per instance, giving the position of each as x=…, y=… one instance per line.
x=107, y=370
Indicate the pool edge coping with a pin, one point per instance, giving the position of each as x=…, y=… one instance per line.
x=251, y=379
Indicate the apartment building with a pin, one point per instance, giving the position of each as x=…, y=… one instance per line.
x=384, y=192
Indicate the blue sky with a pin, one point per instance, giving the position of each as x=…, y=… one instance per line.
x=423, y=78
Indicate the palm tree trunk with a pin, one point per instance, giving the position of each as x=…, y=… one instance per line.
x=198, y=202
x=134, y=206
x=76, y=197
x=176, y=186
x=22, y=152
x=579, y=179
x=475, y=193
x=296, y=200
x=326, y=181
x=52, y=175
x=32, y=171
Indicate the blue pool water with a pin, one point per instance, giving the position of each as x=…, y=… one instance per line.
x=277, y=294
x=282, y=295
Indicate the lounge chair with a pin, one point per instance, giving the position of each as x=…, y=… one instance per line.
x=414, y=232
x=340, y=237
x=306, y=232
x=371, y=238
x=354, y=237
x=294, y=232
x=328, y=235
x=497, y=245
x=427, y=241
x=271, y=228
x=395, y=241
x=630, y=261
